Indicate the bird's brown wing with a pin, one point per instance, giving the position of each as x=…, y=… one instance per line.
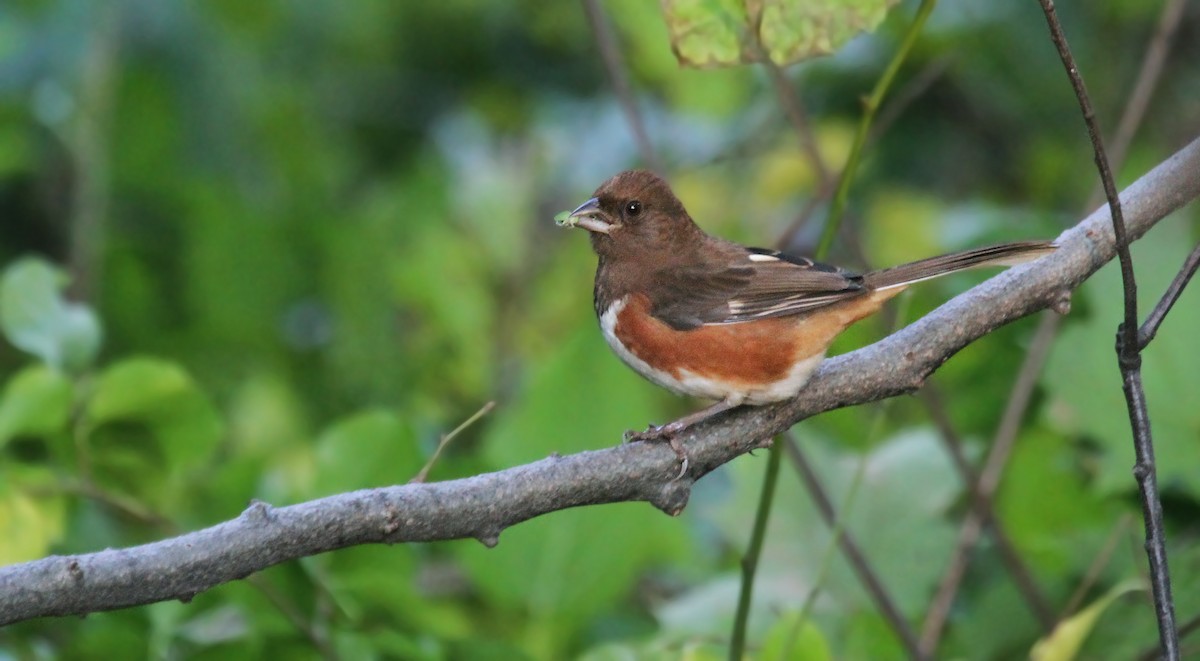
x=749, y=284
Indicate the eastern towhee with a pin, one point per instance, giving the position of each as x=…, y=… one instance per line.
x=706, y=317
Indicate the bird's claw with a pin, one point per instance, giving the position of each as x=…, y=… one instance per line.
x=659, y=434
x=652, y=433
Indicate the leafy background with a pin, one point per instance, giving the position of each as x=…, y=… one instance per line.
x=275, y=250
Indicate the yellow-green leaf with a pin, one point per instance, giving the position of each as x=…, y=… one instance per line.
x=794, y=639
x=37, y=401
x=713, y=33
x=28, y=525
x=1064, y=642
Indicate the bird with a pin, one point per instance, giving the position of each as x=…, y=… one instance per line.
x=706, y=317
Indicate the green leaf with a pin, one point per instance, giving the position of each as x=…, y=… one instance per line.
x=376, y=582
x=452, y=307
x=16, y=151
x=383, y=643
x=36, y=401
x=793, y=639
x=38, y=320
x=28, y=525
x=708, y=33
x=371, y=449
x=1055, y=530
x=1068, y=636
x=147, y=414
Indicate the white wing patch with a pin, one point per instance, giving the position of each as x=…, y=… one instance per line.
x=758, y=257
x=795, y=303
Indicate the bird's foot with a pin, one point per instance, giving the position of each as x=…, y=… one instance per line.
x=658, y=434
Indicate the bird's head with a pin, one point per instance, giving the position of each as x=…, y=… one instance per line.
x=633, y=212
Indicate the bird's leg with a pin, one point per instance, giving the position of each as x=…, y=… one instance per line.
x=670, y=431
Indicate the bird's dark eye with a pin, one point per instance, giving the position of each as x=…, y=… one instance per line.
x=633, y=207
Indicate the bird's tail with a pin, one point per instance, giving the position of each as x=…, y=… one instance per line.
x=1006, y=254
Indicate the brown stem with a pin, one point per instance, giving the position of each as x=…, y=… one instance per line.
x=610, y=54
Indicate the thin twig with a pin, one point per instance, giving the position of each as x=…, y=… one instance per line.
x=1150, y=328
x=1002, y=445
x=837, y=528
x=120, y=503
x=606, y=41
x=870, y=106
x=737, y=642
x=984, y=517
x=1098, y=564
x=320, y=641
x=981, y=493
x=789, y=236
x=88, y=140
x=940, y=606
x=749, y=561
x=445, y=440
x=1152, y=516
x=1148, y=76
x=1129, y=360
x=912, y=90
x=794, y=109
x=818, y=582
x=1110, y=189
x=931, y=396
x=853, y=552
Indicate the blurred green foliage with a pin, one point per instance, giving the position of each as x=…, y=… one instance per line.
x=303, y=240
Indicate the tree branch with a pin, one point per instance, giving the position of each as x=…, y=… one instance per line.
x=482, y=506
x=1150, y=327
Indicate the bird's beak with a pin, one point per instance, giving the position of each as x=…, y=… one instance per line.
x=588, y=216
